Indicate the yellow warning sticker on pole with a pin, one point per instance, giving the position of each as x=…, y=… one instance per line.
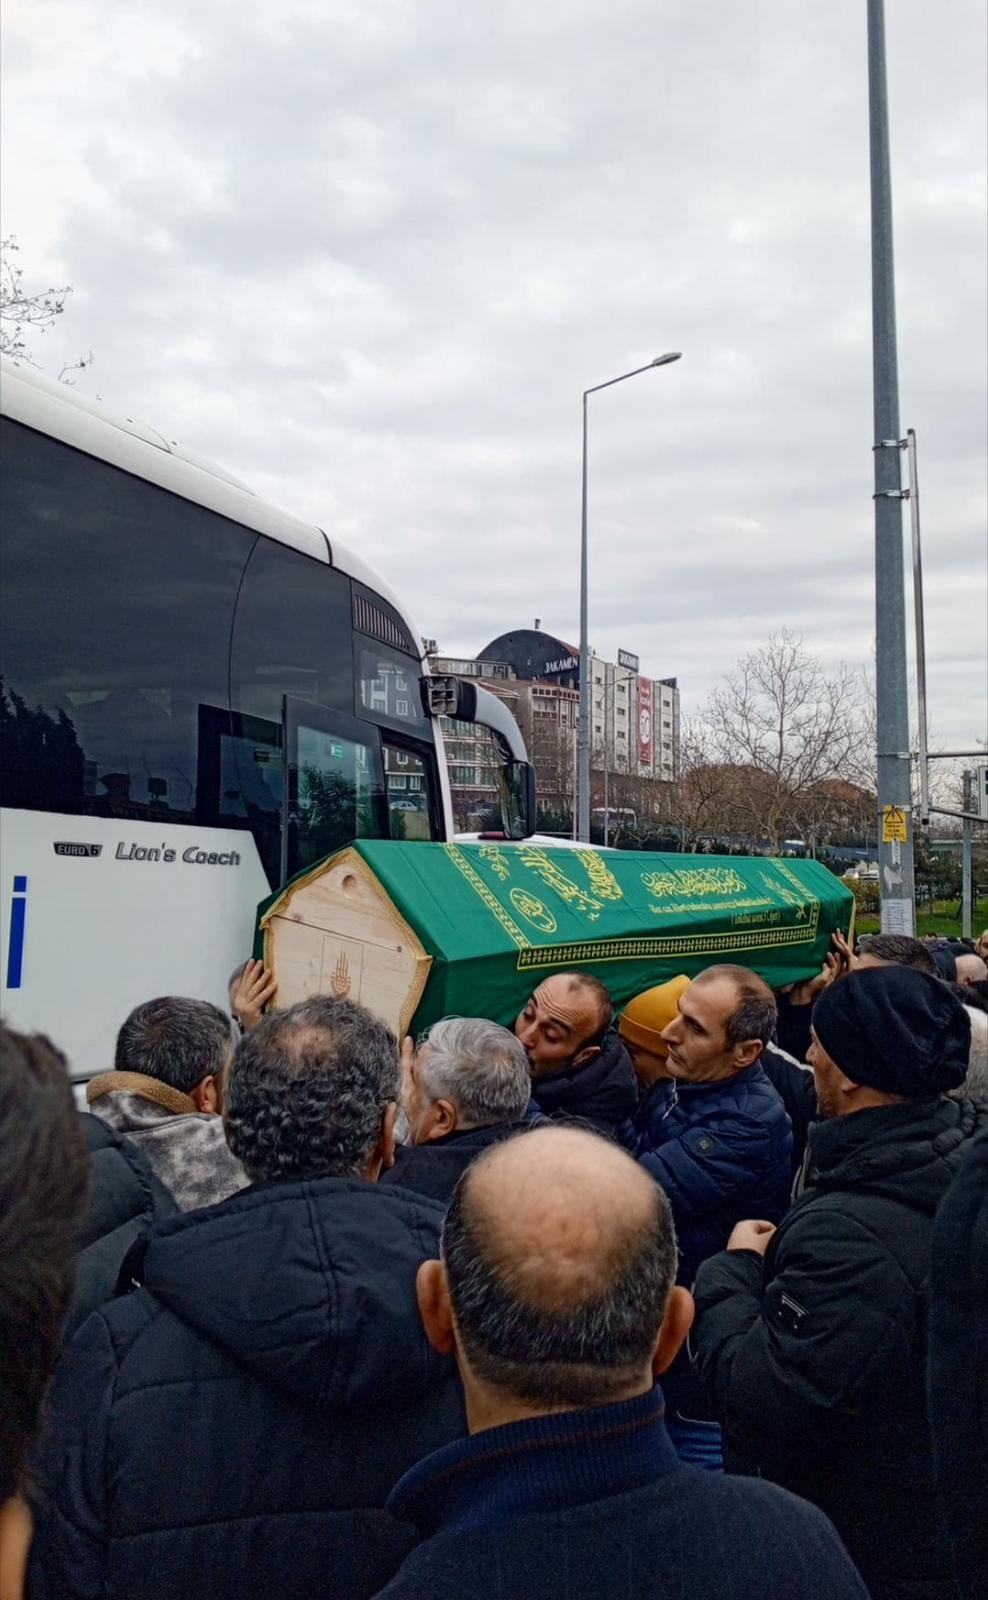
x=895, y=825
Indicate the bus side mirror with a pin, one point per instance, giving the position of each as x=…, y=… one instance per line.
x=519, y=804
x=449, y=697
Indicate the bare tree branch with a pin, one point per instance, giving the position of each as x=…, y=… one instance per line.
x=23, y=314
x=793, y=737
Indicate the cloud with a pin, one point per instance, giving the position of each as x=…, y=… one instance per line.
x=369, y=254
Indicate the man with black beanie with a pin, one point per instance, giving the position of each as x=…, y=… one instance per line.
x=812, y=1336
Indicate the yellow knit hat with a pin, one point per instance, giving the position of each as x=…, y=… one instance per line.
x=647, y=1014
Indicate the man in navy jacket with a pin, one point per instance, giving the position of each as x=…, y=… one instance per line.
x=721, y=1151
x=714, y=1133
x=556, y=1291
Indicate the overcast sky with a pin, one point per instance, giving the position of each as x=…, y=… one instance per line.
x=368, y=254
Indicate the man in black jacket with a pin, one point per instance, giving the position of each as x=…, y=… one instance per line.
x=874, y=950
x=235, y=1427
x=812, y=1336
x=793, y=1081
x=463, y=1089
x=43, y=1180
x=958, y=1366
x=125, y=1199
x=580, y=1069
x=556, y=1290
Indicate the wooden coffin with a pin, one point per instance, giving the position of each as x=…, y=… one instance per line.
x=417, y=931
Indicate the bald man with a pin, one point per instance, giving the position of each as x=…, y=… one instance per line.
x=580, y=1068
x=971, y=969
x=556, y=1293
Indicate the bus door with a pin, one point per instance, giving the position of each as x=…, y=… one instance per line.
x=333, y=790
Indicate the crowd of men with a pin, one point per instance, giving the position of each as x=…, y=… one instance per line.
x=687, y=1301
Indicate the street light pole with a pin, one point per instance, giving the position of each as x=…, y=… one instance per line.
x=583, y=731
x=583, y=739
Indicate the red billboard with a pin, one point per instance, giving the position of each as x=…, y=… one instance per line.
x=645, y=703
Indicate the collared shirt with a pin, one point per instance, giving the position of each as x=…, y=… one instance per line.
x=542, y=1464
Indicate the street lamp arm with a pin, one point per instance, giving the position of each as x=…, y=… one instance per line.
x=660, y=361
x=612, y=381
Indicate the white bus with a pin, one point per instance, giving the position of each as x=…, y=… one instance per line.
x=199, y=696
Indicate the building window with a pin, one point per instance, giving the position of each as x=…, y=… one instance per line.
x=403, y=758
x=402, y=708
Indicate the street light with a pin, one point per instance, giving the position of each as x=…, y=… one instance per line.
x=583, y=739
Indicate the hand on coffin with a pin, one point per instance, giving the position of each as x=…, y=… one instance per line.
x=256, y=989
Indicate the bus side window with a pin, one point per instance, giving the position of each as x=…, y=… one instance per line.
x=411, y=802
x=292, y=634
x=117, y=607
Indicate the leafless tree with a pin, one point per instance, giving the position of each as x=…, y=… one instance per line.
x=946, y=778
x=648, y=798
x=706, y=795
x=835, y=809
x=551, y=749
x=23, y=314
x=785, y=726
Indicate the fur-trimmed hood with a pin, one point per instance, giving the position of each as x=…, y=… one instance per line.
x=185, y=1148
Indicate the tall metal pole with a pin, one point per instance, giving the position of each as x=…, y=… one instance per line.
x=924, y=763
x=966, y=855
x=607, y=720
x=583, y=738
x=583, y=745
x=895, y=854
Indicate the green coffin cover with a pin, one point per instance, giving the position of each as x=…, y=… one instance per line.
x=498, y=919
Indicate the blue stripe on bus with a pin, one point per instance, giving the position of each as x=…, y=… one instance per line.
x=15, y=949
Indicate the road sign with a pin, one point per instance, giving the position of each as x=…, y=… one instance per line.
x=981, y=791
x=895, y=825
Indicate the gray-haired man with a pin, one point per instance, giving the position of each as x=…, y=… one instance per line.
x=465, y=1087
